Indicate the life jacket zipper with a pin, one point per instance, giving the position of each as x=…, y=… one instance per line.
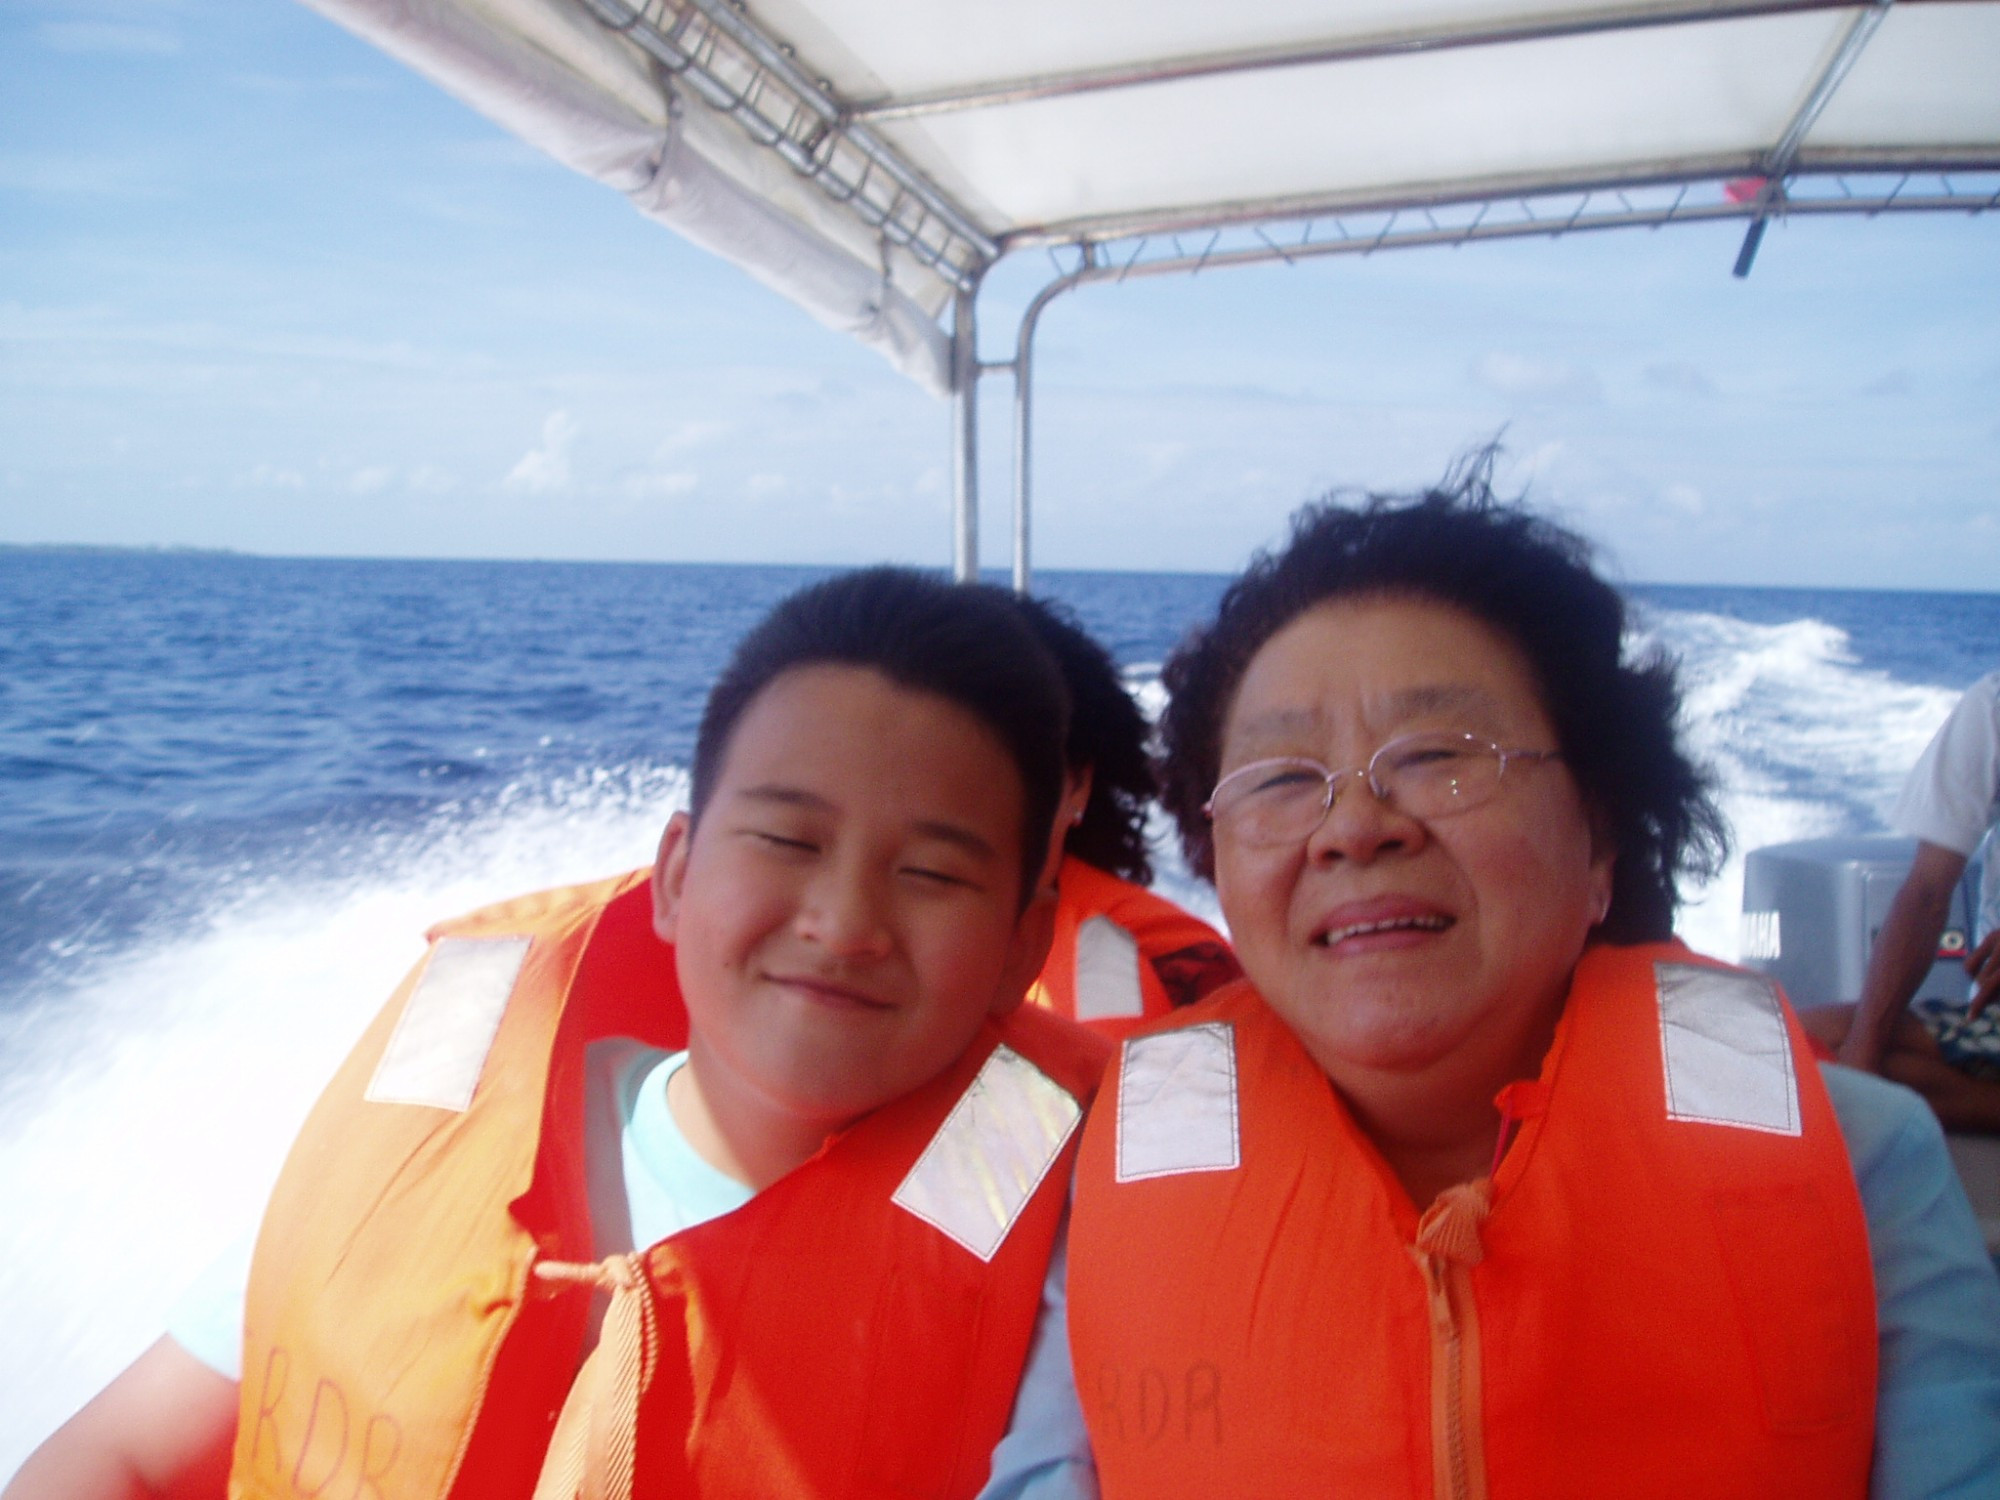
x=1447, y=1248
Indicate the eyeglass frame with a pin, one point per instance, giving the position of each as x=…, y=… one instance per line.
x=1330, y=791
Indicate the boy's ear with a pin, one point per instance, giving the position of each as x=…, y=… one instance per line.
x=670, y=875
x=1069, y=813
x=1034, y=933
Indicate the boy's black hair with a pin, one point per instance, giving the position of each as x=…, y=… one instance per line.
x=965, y=643
x=1107, y=737
x=1527, y=578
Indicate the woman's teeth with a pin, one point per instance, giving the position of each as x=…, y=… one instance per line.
x=1427, y=923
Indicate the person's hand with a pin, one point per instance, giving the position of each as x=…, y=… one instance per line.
x=1983, y=964
x=1860, y=1049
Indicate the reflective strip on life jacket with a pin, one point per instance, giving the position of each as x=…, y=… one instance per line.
x=439, y=1048
x=1122, y=955
x=1725, y=1053
x=1109, y=986
x=992, y=1153
x=1177, y=1107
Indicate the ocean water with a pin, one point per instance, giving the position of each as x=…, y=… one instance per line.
x=234, y=791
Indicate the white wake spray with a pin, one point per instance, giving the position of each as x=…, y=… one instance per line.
x=1804, y=742
x=146, y=1108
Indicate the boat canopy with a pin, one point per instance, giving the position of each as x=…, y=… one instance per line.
x=872, y=159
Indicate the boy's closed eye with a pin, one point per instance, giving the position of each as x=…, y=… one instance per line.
x=942, y=877
x=781, y=841
x=779, y=819
x=949, y=857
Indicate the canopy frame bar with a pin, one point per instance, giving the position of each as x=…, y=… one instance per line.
x=1547, y=215
x=1636, y=175
x=1550, y=213
x=752, y=77
x=1859, y=32
x=1628, y=17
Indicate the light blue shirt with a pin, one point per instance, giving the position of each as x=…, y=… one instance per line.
x=1937, y=1299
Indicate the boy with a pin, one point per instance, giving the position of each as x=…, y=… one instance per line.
x=858, y=1166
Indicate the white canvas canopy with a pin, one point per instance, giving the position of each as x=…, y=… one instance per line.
x=871, y=159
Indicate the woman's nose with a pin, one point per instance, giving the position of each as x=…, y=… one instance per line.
x=1360, y=825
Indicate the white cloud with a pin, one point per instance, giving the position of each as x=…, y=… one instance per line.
x=1541, y=461
x=110, y=37
x=429, y=479
x=688, y=436
x=284, y=85
x=491, y=151
x=1679, y=377
x=1685, y=498
x=1522, y=377
x=274, y=477
x=545, y=469
x=73, y=175
x=372, y=480
x=660, y=486
x=762, y=486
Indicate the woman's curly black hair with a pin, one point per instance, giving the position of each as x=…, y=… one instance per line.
x=1107, y=737
x=1527, y=578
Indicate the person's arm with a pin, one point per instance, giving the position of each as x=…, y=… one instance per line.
x=1046, y=1452
x=1983, y=962
x=162, y=1430
x=1905, y=949
x=1937, y=1300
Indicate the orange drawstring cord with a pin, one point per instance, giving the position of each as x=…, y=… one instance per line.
x=591, y=1454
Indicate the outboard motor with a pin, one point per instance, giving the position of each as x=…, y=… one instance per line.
x=1811, y=911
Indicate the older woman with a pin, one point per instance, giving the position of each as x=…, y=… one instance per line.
x=1481, y=1184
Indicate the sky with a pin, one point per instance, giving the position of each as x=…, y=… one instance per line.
x=263, y=288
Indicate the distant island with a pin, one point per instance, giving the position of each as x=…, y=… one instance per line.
x=156, y=549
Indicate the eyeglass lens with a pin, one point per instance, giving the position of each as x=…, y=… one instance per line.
x=1422, y=776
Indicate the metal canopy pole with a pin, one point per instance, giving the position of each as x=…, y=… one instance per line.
x=1023, y=367
x=964, y=438
x=1023, y=404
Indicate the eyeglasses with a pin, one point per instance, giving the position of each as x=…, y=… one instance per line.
x=1431, y=775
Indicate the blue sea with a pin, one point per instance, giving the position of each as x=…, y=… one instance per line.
x=234, y=790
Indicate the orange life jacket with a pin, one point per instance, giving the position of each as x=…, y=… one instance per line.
x=1123, y=956
x=857, y=1329
x=1664, y=1290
